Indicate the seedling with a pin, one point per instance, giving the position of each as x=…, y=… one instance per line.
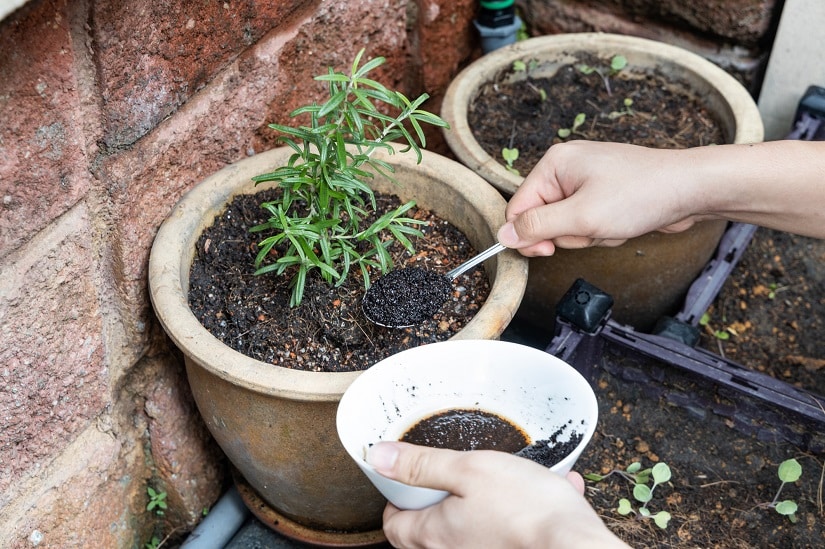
x=157, y=501
x=154, y=543
x=626, y=111
x=642, y=493
x=521, y=33
x=319, y=221
x=540, y=91
x=789, y=471
x=564, y=133
x=510, y=156
x=722, y=335
x=775, y=289
x=521, y=66
x=617, y=63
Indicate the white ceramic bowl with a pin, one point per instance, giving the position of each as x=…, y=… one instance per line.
x=533, y=389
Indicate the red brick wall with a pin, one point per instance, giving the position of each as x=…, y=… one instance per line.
x=109, y=112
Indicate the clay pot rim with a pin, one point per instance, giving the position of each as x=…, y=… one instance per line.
x=741, y=110
x=173, y=249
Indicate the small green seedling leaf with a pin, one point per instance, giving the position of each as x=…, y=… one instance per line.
x=578, y=121
x=661, y=519
x=593, y=476
x=789, y=470
x=721, y=334
x=519, y=66
x=509, y=155
x=661, y=473
x=704, y=320
x=564, y=132
x=618, y=63
x=634, y=467
x=642, y=493
x=628, y=102
x=624, y=507
x=787, y=507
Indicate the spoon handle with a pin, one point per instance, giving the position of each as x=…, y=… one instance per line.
x=467, y=265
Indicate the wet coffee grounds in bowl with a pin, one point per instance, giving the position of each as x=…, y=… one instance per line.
x=461, y=429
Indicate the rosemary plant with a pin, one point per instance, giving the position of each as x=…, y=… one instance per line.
x=320, y=220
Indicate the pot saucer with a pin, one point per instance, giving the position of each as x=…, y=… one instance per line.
x=287, y=527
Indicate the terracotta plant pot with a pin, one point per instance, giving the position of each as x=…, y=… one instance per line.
x=648, y=276
x=277, y=425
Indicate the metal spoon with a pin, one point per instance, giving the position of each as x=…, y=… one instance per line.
x=408, y=296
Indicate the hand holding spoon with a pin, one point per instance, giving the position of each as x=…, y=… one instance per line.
x=408, y=296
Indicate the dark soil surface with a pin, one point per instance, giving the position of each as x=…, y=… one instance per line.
x=328, y=331
x=724, y=468
x=517, y=115
x=773, y=307
x=773, y=310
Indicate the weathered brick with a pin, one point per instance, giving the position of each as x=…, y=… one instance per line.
x=562, y=17
x=263, y=84
x=153, y=56
x=43, y=164
x=91, y=496
x=188, y=464
x=53, y=379
x=446, y=39
x=741, y=22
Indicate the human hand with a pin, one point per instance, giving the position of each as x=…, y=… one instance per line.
x=495, y=500
x=586, y=193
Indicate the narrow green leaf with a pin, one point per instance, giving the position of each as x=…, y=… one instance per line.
x=367, y=67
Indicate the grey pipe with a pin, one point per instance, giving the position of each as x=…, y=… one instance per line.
x=220, y=525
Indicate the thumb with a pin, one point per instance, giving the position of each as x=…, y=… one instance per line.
x=415, y=465
x=541, y=230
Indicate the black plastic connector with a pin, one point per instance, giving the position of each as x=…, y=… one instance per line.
x=585, y=306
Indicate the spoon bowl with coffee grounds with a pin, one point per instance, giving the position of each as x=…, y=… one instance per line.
x=406, y=297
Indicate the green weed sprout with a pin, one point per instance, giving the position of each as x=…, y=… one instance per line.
x=789, y=471
x=627, y=110
x=642, y=493
x=157, y=501
x=564, y=133
x=319, y=220
x=510, y=156
x=722, y=335
x=617, y=63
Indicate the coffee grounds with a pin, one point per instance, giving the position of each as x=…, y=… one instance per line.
x=405, y=297
x=550, y=451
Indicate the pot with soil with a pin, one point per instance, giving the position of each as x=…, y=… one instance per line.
x=601, y=87
x=267, y=376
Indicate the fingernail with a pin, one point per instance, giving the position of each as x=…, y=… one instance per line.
x=507, y=235
x=382, y=456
